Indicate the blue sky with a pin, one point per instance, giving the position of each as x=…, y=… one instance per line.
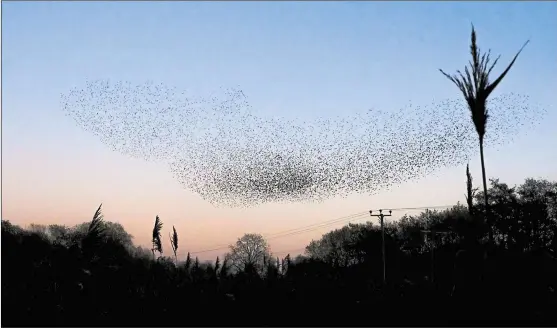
x=292, y=59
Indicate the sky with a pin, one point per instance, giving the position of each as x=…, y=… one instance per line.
x=293, y=59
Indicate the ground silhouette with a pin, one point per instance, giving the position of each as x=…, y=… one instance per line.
x=93, y=275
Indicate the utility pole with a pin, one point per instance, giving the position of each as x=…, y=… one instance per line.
x=433, y=233
x=381, y=217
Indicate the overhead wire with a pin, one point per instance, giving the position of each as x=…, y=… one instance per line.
x=319, y=224
x=289, y=232
x=290, y=251
x=315, y=226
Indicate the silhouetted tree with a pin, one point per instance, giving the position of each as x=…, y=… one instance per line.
x=251, y=250
x=40, y=229
x=112, y=232
x=60, y=235
x=522, y=222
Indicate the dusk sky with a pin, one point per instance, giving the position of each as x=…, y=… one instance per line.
x=292, y=59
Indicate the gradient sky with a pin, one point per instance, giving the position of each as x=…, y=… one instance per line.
x=290, y=58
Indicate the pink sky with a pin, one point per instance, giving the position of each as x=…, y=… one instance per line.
x=67, y=189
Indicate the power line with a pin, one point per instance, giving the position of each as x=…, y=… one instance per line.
x=415, y=208
x=318, y=227
x=290, y=251
x=315, y=226
x=318, y=224
x=295, y=231
x=352, y=217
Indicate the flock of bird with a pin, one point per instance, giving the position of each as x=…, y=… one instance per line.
x=222, y=149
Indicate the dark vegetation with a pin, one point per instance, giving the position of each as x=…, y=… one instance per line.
x=92, y=274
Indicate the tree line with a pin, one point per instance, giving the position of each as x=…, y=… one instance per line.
x=437, y=270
